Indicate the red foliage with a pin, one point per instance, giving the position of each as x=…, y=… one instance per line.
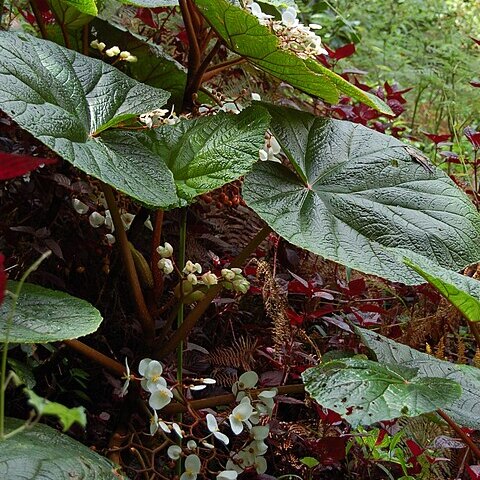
x=436, y=139
x=145, y=15
x=473, y=137
x=12, y=166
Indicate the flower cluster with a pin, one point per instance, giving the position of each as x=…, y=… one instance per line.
x=293, y=36
x=113, y=52
x=159, y=116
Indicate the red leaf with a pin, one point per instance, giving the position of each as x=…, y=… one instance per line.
x=477, y=41
x=344, y=52
x=473, y=472
x=145, y=15
x=294, y=317
x=436, y=139
x=414, y=447
x=3, y=278
x=473, y=137
x=475, y=83
x=357, y=286
x=12, y=166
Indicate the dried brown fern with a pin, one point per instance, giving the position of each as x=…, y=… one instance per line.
x=240, y=355
x=275, y=307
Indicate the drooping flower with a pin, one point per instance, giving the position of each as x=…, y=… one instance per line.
x=212, y=425
x=154, y=423
x=151, y=370
x=193, y=466
x=80, y=207
x=174, y=452
x=240, y=415
x=165, y=251
x=166, y=265
x=246, y=381
x=96, y=219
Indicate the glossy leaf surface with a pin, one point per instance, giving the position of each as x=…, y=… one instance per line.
x=466, y=410
x=42, y=453
x=365, y=392
x=43, y=315
x=357, y=197
x=460, y=290
x=245, y=36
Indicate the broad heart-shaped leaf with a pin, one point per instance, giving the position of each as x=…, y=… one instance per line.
x=364, y=392
x=245, y=36
x=358, y=198
x=465, y=410
x=42, y=453
x=66, y=99
x=43, y=315
x=68, y=15
x=67, y=416
x=460, y=290
x=206, y=153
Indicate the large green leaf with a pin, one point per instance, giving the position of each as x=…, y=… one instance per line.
x=357, y=197
x=66, y=99
x=42, y=453
x=461, y=291
x=206, y=153
x=465, y=410
x=44, y=315
x=246, y=36
x=154, y=67
x=365, y=392
x=151, y=3
x=68, y=15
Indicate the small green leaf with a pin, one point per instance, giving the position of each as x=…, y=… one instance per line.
x=461, y=291
x=23, y=372
x=366, y=392
x=85, y=6
x=466, y=410
x=42, y=453
x=246, y=36
x=66, y=416
x=310, y=462
x=44, y=315
x=346, y=201
x=68, y=15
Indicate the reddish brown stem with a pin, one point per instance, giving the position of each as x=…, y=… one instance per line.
x=85, y=42
x=106, y=362
x=181, y=333
x=216, y=69
x=475, y=332
x=142, y=310
x=156, y=239
x=463, y=435
x=226, y=399
x=38, y=17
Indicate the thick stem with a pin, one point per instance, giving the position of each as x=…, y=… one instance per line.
x=85, y=42
x=181, y=333
x=146, y=320
x=216, y=69
x=227, y=399
x=89, y=352
x=463, y=435
x=38, y=17
x=66, y=38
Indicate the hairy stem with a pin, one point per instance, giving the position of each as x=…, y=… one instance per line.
x=227, y=399
x=181, y=333
x=142, y=310
x=108, y=363
x=463, y=435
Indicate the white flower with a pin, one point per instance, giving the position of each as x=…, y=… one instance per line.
x=80, y=207
x=191, y=444
x=174, y=452
x=110, y=238
x=208, y=381
x=126, y=378
x=208, y=445
x=263, y=155
x=209, y=278
x=246, y=381
x=197, y=387
x=124, y=54
x=127, y=219
x=228, y=274
x=131, y=59
x=154, y=423
x=227, y=475
x=240, y=414
x=257, y=11
x=160, y=398
x=260, y=465
x=177, y=429
x=151, y=370
x=112, y=52
x=315, y=26
x=260, y=432
x=109, y=221
x=192, y=278
x=94, y=44
x=256, y=97
x=163, y=426
x=192, y=468
x=96, y=219
x=289, y=17
x=166, y=251
x=213, y=427
x=191, y=267
x=166, y=265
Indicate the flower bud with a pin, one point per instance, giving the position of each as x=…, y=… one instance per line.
x=166, y=251
x=165, y=265
x=228, y=274
x=209, y=278
x=112, y=52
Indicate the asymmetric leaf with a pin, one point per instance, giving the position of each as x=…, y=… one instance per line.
x=357, y=197
x=246, y=36
x=85, y=6
x=66, y=100
x=465, y=410
x=42, y=453
x=365, y=392
x=43, y=315
x=461, y=291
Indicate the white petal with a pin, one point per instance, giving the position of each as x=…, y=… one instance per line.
x=267, y=394
x=227, y=475
x=154, y=368
x=247, y=380
x=160, y=398
x=212, y=424
x=177, y=430
x=260, y=465
x=191, y=444
x=193, y=464
x=96, y=219
x=142, y=367
x=79, y=206
x=163, y=426
x=197, y=387
x=174, y=452
x=260, y=432
x=209, y=381
x=222, y=437
x=235, y=425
